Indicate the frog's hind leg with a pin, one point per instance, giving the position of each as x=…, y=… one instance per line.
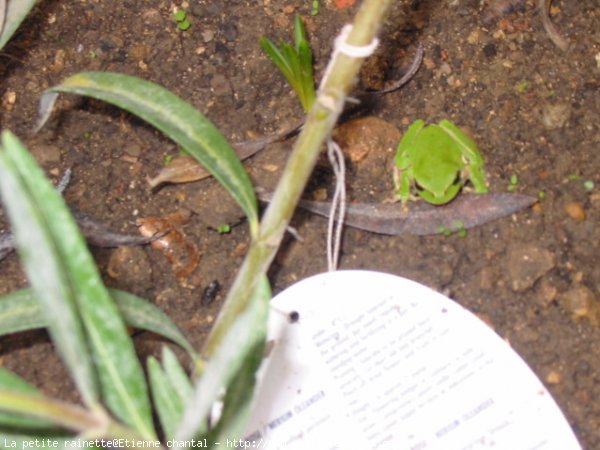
x=471, y=156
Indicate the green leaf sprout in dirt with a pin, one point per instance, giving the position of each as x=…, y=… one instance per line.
x=512, y=183
x=295, y=63
x=588, y=185
x=522, y=87
x=167, y=159
x=315, y=7
x=182, y=20
x=458, y=227
x=224, y=228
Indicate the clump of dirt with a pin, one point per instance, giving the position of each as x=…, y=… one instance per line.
x=533, y=109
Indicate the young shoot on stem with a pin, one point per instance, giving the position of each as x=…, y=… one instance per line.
x=295, y=63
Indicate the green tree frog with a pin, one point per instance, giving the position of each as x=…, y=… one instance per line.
x=436, y=161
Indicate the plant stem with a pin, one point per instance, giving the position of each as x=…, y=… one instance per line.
x=319, y=124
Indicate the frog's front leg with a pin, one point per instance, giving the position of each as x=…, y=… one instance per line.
x=403, y=177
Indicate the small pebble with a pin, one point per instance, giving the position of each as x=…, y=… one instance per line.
x=130, y=265
x=575, y=211
x=553, y=377
x=525, y=264
x=556, y=116
x=581, y=302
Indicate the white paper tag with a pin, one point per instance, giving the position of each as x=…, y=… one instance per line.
x=377, y=361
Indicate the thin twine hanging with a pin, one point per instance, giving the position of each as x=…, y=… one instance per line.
x=338, y=205
x=336, y=157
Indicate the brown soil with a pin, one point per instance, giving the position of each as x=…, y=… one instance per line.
x=533, y=109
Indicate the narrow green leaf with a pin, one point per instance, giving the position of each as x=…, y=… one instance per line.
x=121, y=377
x=306, y=74
x=14, y=14
x=176, y=375
x=59, y=413
x=277, y=57
x=299, y=32
x=10, y=381
x=140, y=313
x=179, y=121
x=245, y=334
x=171, y=388
x=167, y=403
x=295, y=63
x=43, y=262
x=20, y=311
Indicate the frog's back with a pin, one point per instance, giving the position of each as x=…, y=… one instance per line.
x=437, y=165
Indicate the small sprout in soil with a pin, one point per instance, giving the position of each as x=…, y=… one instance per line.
x=522, y=87
x=87, y=134
x=461, y=231
x=541, y=195
x=295, y=63
x=458, y=227
x=182, y=20
x=514, y=182
x=445, y=231
x=92, y=54
x=573, y=177
x=315, y=8
x=224, y=228
x=588, y=185
x=167, y=159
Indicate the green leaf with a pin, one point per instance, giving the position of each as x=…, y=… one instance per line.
x=43, y=262
x=64, y=276
x=184, y=25
x=20, y=311
x=61, y=414
x=142, y=314
x=12, y=382
x=180, y=15
x=299, y=33
x=246, y=333
x=276, y=56
x=177, y=376
x=12, y=17
x=295, y=63
x=166, y=402
x=175, y=118
x=170, y=390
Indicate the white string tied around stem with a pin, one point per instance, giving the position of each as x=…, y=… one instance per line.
x=352, y=51
x=335, y=154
